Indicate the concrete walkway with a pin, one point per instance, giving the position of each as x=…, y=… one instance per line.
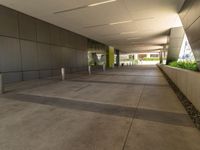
x=130, y=108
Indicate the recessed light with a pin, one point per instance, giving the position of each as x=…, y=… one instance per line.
x=101, y=3
x=120, y=22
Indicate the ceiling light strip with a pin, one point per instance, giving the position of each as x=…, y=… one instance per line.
x=101, y=3
x=68, y=10
x=132, y=32
x=120, y=22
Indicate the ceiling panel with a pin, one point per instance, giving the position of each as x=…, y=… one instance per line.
x=151, y=19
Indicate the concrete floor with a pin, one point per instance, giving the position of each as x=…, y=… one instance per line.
x=130, y=108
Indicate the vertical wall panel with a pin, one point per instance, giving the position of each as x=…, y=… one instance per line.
x=45, y=73
x=44, y=56
x=12, y=77
x=56, y=57
x=66, y=58
x=63, y=37
x=27, y=26
x=8, y=22
x=30, y=75
x=55, y=35
x=10, y=54
x=29, y=55
x=31, y=48
x=43, y=32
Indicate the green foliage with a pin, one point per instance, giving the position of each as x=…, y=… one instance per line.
x=151, y=59
x=189, y=65
x=135, y=61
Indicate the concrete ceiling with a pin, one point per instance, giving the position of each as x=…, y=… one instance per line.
x=144, y=24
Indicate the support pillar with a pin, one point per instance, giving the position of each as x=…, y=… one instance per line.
x=110, y=57
x=175, y=43
x=89, y=70
x=161, y=57
x=117, y=58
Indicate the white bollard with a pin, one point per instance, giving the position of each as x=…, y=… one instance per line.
x=89, y=70
x=1, y=84
x=63, y=73
x=104, y=67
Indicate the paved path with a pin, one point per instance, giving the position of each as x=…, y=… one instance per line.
x=130, y=108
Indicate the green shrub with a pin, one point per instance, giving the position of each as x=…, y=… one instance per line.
x=189, y=65
x=151, y=59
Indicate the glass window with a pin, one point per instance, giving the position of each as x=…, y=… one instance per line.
x=186, y=51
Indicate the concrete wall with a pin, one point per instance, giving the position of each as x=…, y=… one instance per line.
x=31, y=48
x=190, y=17
x=187, y=81
x=175, y=43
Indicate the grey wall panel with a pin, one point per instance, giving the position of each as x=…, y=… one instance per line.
x=57, y=61
x=45, y=73
x=63, y=37
x=27, y=26
x=72, y=40
x=9, y=54
x=65, y=56
x=29, y=45
x=193, y=32
x=56, y=72
x=80, y=58
x=12, y=77
x=190, y=12
x=83, y=44
x=85, y=58
x=79, y=55
x=193, y=14
x=196, y=50
x=68, y=57
x=55, y=35
x=67, y=38
x=30, y=75
x=29, y=55
x=43, y=31
x=190, y=17
x=77, y=42
x=44, y=56
x=73, y=59
x=8, y=22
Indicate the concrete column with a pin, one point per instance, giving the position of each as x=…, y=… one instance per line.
x=110, y=57
x=89, y=70
x=148, y=55
x=117, y=58
x=136, y=56
x=175, y=43
x=161, y=57
x=104, y=67
x=1, y=84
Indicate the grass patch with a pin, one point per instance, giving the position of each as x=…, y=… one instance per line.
x=151, y=59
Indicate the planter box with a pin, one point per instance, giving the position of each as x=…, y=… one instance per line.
x=187, y=81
